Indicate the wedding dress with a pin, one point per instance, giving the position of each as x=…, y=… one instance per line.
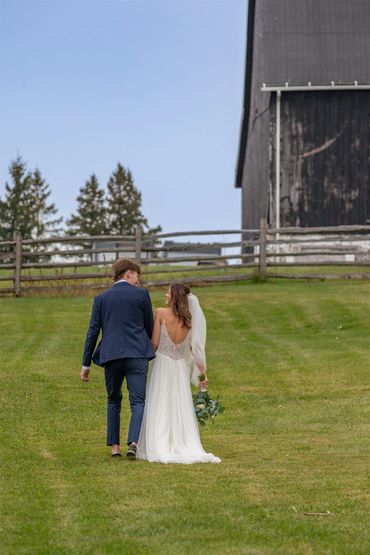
x=169, y=432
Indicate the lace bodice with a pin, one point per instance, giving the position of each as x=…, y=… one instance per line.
x=168, y=347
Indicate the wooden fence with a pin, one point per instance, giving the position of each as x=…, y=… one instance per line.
x=59, y=263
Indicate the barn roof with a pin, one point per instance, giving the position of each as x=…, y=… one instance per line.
x=301, y=41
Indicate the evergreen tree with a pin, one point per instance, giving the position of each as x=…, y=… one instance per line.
x=91, y=215
x=25, y=206
x=41, y=210
x=124, y=203
x=16, y=208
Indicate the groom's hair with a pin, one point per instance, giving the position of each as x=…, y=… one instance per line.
x=122, y=265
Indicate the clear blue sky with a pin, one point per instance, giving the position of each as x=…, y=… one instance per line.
x=156, y=85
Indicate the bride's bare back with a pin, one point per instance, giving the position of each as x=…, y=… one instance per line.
x=175, y=329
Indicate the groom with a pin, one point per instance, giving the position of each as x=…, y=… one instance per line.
x=124, y=314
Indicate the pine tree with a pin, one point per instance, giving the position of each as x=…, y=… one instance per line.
x=41, y=210
x=16, y=208
x=25, y=208
x=124, y=203
x=91, y=215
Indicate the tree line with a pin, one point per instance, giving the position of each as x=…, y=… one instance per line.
x=26, y=206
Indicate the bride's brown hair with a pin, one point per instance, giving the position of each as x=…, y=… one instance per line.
x=179, y=303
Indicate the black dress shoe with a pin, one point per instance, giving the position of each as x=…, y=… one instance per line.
x=131, y=451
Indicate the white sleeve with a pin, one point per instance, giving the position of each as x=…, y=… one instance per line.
x=198, y=337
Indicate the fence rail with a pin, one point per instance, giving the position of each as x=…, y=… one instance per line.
x=26, y=264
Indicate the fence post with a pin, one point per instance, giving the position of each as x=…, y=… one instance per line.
x=17, y=263
x=263, y=245
x=138, y=241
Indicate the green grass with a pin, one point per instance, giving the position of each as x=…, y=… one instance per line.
x=291, y=362
x=161, y=273
x=68, y=287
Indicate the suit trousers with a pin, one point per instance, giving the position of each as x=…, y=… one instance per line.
x=135, y=372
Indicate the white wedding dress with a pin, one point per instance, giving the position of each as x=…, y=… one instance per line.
x=169, y=432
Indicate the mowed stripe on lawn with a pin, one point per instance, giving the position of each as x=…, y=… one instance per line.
x=291, y=362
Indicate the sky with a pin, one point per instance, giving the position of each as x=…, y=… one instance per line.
x=155, y=85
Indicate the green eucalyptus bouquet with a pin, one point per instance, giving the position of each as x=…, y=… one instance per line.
x=206, y=408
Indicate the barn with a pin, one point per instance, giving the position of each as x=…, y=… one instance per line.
x=304, y=150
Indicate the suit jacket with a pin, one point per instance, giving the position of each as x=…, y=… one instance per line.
x=124, y=314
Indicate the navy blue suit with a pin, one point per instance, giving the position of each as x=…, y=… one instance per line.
x=124, y=314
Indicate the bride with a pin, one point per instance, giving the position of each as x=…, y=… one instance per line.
x=169, y=432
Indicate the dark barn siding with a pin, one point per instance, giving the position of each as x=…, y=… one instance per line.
x=313, y=40
x=296, y=42
x=325, y=158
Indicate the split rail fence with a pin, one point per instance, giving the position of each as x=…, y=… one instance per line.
x=76, y=263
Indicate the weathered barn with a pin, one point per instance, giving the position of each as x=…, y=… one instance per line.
x=307, y=89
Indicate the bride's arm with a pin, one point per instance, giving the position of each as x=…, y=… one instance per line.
x=201, y=372
x=156, y=328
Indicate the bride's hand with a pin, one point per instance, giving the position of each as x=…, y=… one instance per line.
x=203, y=384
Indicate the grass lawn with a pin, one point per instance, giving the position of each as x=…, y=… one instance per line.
x=67, y=287
x=291, y=361
x=78, y=286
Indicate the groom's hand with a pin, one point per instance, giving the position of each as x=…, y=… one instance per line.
x=84, y=375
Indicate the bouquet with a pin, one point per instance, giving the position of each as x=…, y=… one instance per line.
x=206, y=408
